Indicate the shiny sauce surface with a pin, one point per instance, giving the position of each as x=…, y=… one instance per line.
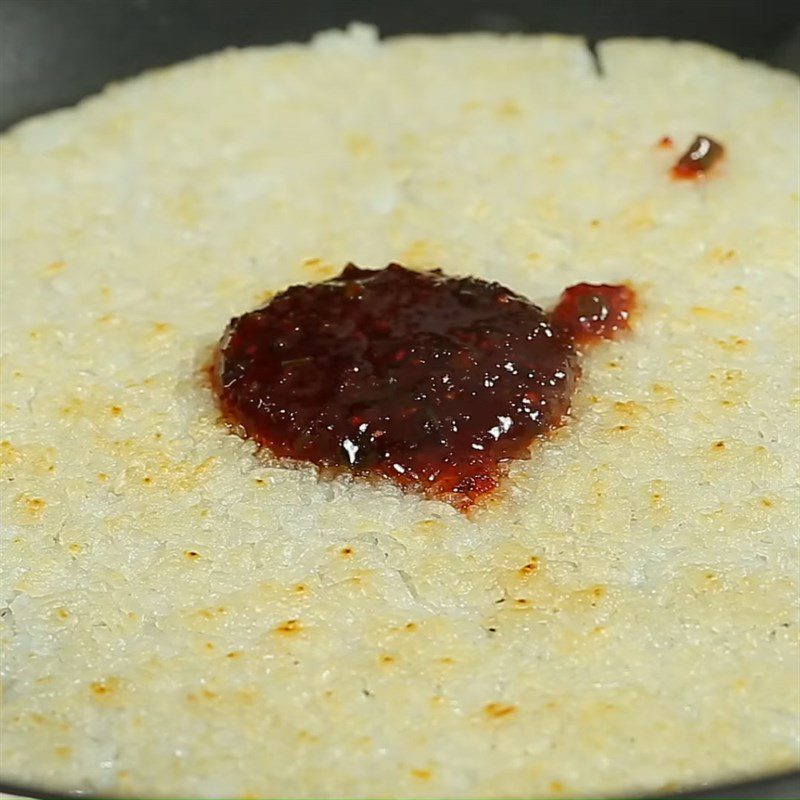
x=433, y=382
x=702, y=156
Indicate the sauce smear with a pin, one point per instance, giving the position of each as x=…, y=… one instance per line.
x=434, y=382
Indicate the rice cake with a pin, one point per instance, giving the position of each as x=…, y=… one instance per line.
x=183, y=618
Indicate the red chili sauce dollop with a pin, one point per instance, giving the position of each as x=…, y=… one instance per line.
x=434, y=382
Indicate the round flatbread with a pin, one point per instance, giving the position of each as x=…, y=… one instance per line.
x=183, y=617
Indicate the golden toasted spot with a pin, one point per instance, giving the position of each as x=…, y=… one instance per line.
x=498, y=710
x=264, y=296
x=447, y=660
x=346, y=551
x=599, y=630
x=509, y=109
x=766, y=502
x=521, y=601
x=30, y=508
x=556, y=787
x=300, y=588
x=73, y=407
x=54, y=268
x=161, y=327
x=63, y=751
x=598, y=591
x=101, y=476
x=191, y=554
x=34, y=334
x=106, y=318
x=104, y=688
x=319, y=269
x=62, y=613
x=209, y=645
x=530, y=568
x=387, y=659
x=622, y=428
x=115, y=411
x=722, y=254
x=733, y=375
x=210, y=613
x=732, y=344
x=9, y=454
x=259, y=481
x=186, y=207
x=710, y=576
x=422, y=774
x=628, y=408
x=359, y=145
x=594, y=223
x=718, y=445
x=709, y=313
x=289, y=627
x=234, y=654
x=420, y=253
x=74, y=548
x=411, y=626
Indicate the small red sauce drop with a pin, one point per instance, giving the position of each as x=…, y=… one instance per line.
x=432, y=381
x=665, y=143
x=594, y=311
x=701, y=156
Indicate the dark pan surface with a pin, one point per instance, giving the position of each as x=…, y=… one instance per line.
x=54, y=52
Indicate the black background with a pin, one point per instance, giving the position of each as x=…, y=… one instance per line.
x=53, y=52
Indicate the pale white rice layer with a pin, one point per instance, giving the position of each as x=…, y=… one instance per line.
x=181, y=618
